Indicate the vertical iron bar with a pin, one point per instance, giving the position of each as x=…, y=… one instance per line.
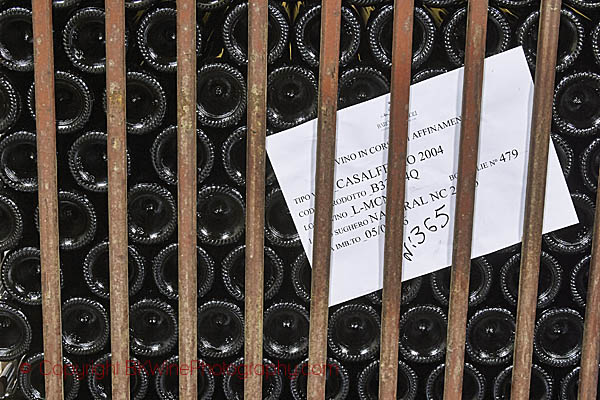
x=43, y=52
x=465, y=198
x=117, y=193
x=588, y=374
x=394, y=229
x=255, y=193
x=326, y=133
x=187, y=194
x=536, y=190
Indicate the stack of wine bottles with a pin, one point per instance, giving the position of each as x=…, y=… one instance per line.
x=293, y=58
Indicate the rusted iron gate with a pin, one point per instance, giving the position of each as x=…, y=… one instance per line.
x=257, y=75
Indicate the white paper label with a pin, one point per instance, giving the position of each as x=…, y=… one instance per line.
x=434, y=132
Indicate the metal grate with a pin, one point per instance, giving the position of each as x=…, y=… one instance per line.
x=186, y=83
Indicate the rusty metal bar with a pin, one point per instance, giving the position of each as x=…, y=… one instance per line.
x=590, y=356
x=43, y=52
x=394, y=229
x=536, y=190
x=465, y=198
x=255, y=193
x=326, y=133
x=117, y=192
x=187, y=193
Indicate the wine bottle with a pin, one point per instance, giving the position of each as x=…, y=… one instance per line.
x=354, y=332
x=380, y=32
x=88, y=161
x=513, y=3
x=569, y=386
x=76, y=220
x=596, y=43
x=84, y=40
x=61, y=4
x=33, y=371
x=234, y=273
x=165, y=271
x=96, y=270
x=540, y=384
x=18, y=161
x=11, y=223
x=153, y=328
x=589, y=5
x=406, y=385
x=427, y=73
x=167, y=380
x=100, y=378
x=473, y=384
x=221, y=95
x=286, y=331
x=292, y=96
x=164, y=155
x=307, y=35
x=360, y=84
x=16, y=39
x=590, y=165
x=146, y=103
x=337, y=381
x=491, y=336
x=301, y=273
x=279, y=226
x=576, y=238
x=234, y=158
x=138, y=4
x=157, y=39
x=565, y=154
x=85, y=327
x=570, y=42
x=498, y=36
x=151, y=213
x=15, y=332
x=480, y=282
x=73, y=100
x=549, y=281
x=558, y=337
x=409, y=291
x=21, y=276
x=578, y=282
x=423, y=334
x=235, y=33
x=220, y=329
x=221, y=215
x=10, y=104
x=576, y=107
x=233, y=381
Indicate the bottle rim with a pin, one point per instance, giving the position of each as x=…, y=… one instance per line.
x=103, y=336
x=235, y=291
x=586, y=160
x=337, y=350
x=235, y=312
x=165, y=308
x=367, y=373
x=427, y=73
x=495, y=360
x=168, y=202
x=300, y=262
x=78, y=122
x=574, y=354
x=579, y=298
x=283, y=352
x=563, y=145
x=413, y=356
x=16, y=234
x=140, y=374
x=16, y=315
